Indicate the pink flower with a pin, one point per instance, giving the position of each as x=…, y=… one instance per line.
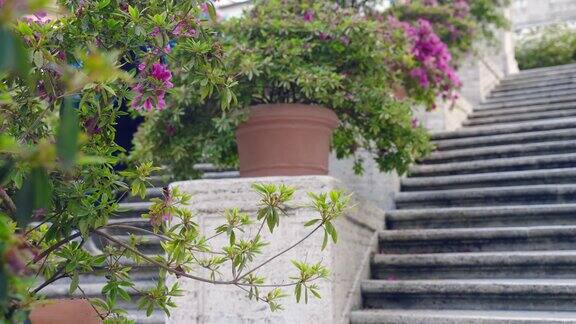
x=155, y=31
x=323, y=36
x=431, y=3
x=415, y=122
x=345, y=40
x=141, y=66
x=309, y=15
x=39, y=18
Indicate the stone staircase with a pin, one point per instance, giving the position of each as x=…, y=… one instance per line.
x=144, y=275
x=485, y=227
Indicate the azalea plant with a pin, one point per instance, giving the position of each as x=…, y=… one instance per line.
x=311, y=52
x=67, y=72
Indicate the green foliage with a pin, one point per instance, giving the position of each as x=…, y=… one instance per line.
x=548, y=46
x=339, y=60
x=59, y=186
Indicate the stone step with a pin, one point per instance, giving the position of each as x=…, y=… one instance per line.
x=511, y=128
x=155, y=192
x=529, y=238
x=137, y=221
x=539, y=74
x=521, y=163
x=468, y=217
x=543, y=70
x=538, y=86
x=500, y=151
x=492, y=141
x=132, y=209
x=535, y=83
x=569, y=97
x=492, y=196
x=221, y=175
x=520, y=91
x=531, y=79
x=448, y=316
x=160, y=180
x=477, y=265
x=524, y=117
x=512, y=295
x=551, y=93
x=521, y=110
x=490, y=179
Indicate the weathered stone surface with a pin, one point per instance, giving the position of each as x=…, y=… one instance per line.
x=205, y=303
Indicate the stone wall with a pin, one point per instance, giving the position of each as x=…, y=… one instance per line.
x=348, y=260
x=533, y=13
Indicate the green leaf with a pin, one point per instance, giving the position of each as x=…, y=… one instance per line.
x=325, y=240
x=133, y=12
x=67, y=137
x=211, y=11
x=311, y=222
x=103, y=4
x=13, y=56
x=74, y=283
x=298, y=292
x=332, y=231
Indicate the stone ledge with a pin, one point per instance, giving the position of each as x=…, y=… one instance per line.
x=205, y=303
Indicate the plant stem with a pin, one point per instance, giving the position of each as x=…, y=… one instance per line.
x=8, y=201
x=283, y=251
x=55, y=247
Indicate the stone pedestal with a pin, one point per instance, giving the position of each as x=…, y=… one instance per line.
x=348, y=260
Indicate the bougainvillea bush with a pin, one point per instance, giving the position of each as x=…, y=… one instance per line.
x=65, y=77
x=548, y=46
x=459, y=23
x=313, y=53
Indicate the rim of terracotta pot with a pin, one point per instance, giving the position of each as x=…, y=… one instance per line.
x=278, y=113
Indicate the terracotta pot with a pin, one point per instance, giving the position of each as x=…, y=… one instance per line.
x=65, y=311
x=285, y=140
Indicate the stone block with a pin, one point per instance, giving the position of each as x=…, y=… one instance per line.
x=348, y=260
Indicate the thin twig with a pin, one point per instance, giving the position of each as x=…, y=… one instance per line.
x=282, y=252
x=55, y=247
x=186, y=275
x=102, y=317
x=56, y=276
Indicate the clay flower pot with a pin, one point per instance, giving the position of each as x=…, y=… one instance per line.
x=285, y=140
x=65, y=311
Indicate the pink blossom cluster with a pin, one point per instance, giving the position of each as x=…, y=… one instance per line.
x=434, y=57
x=150, y=91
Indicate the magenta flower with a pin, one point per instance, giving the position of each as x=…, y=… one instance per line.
x=434, y=56
x=309, y=15
x=151, y=90
x=155, y=31
x=431, y=3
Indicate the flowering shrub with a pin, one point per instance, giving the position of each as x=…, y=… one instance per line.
x=459, y=23
x=431, y=73
x=63, y=83
x=312, y=53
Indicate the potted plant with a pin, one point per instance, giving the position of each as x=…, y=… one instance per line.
x=300, y=67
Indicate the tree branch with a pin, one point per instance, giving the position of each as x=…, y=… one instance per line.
x=8, y=201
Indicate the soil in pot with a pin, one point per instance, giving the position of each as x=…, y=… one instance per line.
x=285, y=140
